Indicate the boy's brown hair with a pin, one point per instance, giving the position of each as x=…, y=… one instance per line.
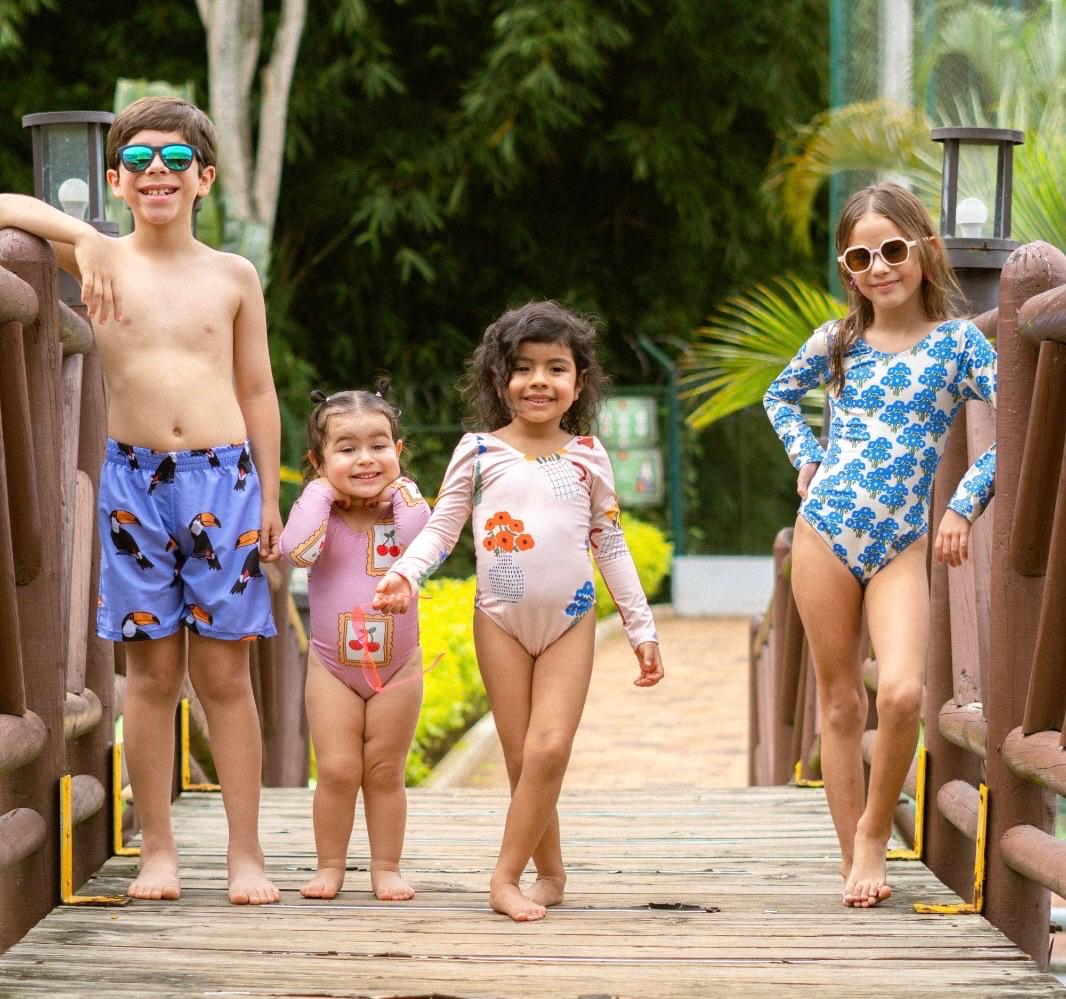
x=163, y=114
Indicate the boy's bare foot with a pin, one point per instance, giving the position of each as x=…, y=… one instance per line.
x=248, y=883
x=157, y=877
x=325, y=884
x=388, y=886
x=865, y=884
x=547, y=891
x=507, y=899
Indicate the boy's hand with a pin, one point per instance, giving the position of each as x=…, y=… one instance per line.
x=393, y=594
x=806, y=473
x=953, y=539
x=269, y=535
x=650, y=663
x=95, y=254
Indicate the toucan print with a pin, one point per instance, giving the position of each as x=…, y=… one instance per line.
x=164, y=473
x=201, y=543
x=244, y=466
x=250, y=570
x=212, y=458
x=197, y=616
x=130, y=631
x=131, y=455
x=179, y=557
x=124, y=542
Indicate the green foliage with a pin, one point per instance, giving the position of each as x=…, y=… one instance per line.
x=651, y=554
x=13, y=15
x=454, y=696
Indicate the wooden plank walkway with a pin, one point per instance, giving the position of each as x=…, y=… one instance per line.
x=760, y=860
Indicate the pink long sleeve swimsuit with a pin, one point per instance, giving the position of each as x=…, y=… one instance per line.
x=535, y=521
x=345, y=569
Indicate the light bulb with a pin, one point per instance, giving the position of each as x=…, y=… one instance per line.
x=970, y=217
x=73, y=195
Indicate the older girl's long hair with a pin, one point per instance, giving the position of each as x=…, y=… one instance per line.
x=940, y=291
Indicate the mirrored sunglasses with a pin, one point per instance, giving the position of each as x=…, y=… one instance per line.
x=176, y=156
x=894, y=251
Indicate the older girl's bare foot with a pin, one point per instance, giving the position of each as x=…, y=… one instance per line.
x=547, y=891
x=507, y=899
x=157, y=877
x=845, y=869
x=325, y=884
x=248, y=883
x=388, y=886
x=865, y=885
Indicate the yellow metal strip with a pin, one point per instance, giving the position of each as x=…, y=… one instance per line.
x=66, y=853
x=919, y=815
x=118, y=847
x=802, y=781
x=978, y=903
x=186, y=764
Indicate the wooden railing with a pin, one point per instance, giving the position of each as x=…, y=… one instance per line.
x=995, y=700
x=60, y=686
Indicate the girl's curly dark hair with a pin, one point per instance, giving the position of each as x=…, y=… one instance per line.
x=349, y=401
x=484, y=387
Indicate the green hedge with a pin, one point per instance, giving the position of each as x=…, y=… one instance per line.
x=651, y=553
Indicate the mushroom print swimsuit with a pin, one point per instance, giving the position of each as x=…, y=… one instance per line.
x=869, y=499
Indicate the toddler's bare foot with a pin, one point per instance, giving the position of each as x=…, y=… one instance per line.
x=507, y=899
x=547, y=891
x=865, y=884
x=325, y=884
x=157, y=877
x=388, y=886
x=248, y=883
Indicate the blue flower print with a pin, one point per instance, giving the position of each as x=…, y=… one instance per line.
x=944, y=349
x=841, y=499
x=916, y=515
x=841, y=553
x=872, y=399
x=912, y=438
x=922, y=486
x=834, y=523
x=894, y=497
x=584, y=598
x=904, y=541
x=852, y=472
x=877, y=451
x=923, y=405
x=832, y=454
x=903, y=467
x=856, y=430
x=885, y=530
x=861, y=520
x=897, y=378
x=849, y=398
x=878, y=478
x=930, y=461
x=895, y=415
x=938, y=424
x=872, y=555
x=934, y=377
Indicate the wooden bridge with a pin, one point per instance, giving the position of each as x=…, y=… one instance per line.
x=673, y=893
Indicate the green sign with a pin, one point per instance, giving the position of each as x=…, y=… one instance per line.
x=629, y=421
x=638, y=476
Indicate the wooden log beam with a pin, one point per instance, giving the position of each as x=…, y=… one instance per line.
x=957, y=801
x=75, y=334
x=87, y=797
x=910, y=783
x=1034, y=854
x=18, y=300
x=12, y=689
x=81, y=572
x=81, y=713
x=22, y=833
x=1043, y=317
x=22, y=738
x=964, y=725
x=987, y=322
x=903, y=818
x=1037, y=758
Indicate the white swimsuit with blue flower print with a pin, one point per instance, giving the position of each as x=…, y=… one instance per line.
x=869, y=499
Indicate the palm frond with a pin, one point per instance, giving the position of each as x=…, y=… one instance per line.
x=748, y=341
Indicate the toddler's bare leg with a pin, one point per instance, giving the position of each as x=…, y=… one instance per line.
x=337, y=716
x=558, y=687
x=154, y=674
x=219, y=674
x=391, y=716
x=897, y=612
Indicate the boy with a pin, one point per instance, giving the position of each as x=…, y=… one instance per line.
x=181, y=331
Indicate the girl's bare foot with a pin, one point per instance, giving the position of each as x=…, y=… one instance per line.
x=865, y=885
x=248, y=883
x=325, y=884
x=388, y=886
x=845, y=869
x=157, y=877
x=507, y=899
x=547, y=891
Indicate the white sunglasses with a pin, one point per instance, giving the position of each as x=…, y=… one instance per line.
x=893, y=251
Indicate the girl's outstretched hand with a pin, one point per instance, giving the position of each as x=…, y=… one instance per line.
x=953, y=539
x=393, y=594
x=806, y=473
x=650, y=663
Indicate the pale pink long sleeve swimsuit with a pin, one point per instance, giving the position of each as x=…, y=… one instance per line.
x=345, y=569
x=536, y=519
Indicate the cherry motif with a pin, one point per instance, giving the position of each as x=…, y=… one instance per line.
x=394, y=551
x=383, y=549
x=355, y=645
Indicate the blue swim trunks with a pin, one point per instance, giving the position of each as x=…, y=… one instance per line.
x=179, y=535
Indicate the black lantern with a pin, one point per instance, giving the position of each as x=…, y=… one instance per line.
x=978, y=163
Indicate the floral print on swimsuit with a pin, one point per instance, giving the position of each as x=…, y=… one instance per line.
x=869, y=499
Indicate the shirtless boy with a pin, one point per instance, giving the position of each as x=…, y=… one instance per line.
x=181, y=331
